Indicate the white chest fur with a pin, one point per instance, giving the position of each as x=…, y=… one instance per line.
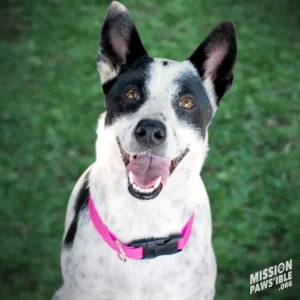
x=93, y=271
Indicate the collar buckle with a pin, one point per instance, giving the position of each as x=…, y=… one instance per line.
x=158, y=246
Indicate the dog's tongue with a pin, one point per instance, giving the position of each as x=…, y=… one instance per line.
x=146, y=169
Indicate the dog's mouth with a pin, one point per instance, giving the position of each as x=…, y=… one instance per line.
x=148, y=174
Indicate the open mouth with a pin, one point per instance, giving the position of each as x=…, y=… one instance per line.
x=148, y=174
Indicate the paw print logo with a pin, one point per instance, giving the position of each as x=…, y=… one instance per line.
x=281, y=268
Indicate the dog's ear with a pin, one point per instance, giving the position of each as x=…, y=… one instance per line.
x=215, y=57
x=120, y=42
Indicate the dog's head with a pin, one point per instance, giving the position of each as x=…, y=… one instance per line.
x=157, y=110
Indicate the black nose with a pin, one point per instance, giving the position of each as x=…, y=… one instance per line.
x=150, y=132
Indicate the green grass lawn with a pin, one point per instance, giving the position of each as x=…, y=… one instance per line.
x=50, y=100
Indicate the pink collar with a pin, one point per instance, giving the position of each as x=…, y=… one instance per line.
x=148, y=248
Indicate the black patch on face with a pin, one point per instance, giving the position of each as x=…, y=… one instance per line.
x=201, y=114
x=165, y=63
x=131, y=76
x=80, y=204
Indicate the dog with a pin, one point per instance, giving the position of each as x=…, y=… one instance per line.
x=138, y=223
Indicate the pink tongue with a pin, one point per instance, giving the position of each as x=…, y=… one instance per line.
x=146, y=169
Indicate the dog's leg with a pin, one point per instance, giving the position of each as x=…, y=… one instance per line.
x=61, y=294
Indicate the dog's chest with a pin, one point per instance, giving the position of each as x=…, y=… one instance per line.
x=93, y=269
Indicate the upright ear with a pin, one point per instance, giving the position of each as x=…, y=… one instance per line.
x=215, y=57
x=120, y=43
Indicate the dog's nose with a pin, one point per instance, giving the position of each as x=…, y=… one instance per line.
x=150, y=132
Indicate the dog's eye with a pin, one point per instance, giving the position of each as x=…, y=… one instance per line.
x=132, y=94
x=187, y=103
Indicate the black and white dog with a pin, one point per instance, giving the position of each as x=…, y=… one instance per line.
x=138, y=223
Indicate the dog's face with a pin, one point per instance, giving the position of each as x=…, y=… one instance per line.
x=158, y=110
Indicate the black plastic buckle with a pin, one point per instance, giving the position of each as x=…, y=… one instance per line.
x=158, y=246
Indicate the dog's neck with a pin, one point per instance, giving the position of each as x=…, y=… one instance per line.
x=130, y=218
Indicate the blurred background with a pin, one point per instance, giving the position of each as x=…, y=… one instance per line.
x=51, y=98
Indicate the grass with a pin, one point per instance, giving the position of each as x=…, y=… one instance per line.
x=50, y=100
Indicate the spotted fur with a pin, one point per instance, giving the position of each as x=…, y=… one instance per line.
x=91, y=270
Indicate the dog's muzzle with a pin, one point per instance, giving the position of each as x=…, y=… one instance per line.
x=147, y=174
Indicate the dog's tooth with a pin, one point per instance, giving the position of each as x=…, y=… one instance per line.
x=131, y=177
x=156, y=184
x=151, y=190
x=130, y=158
